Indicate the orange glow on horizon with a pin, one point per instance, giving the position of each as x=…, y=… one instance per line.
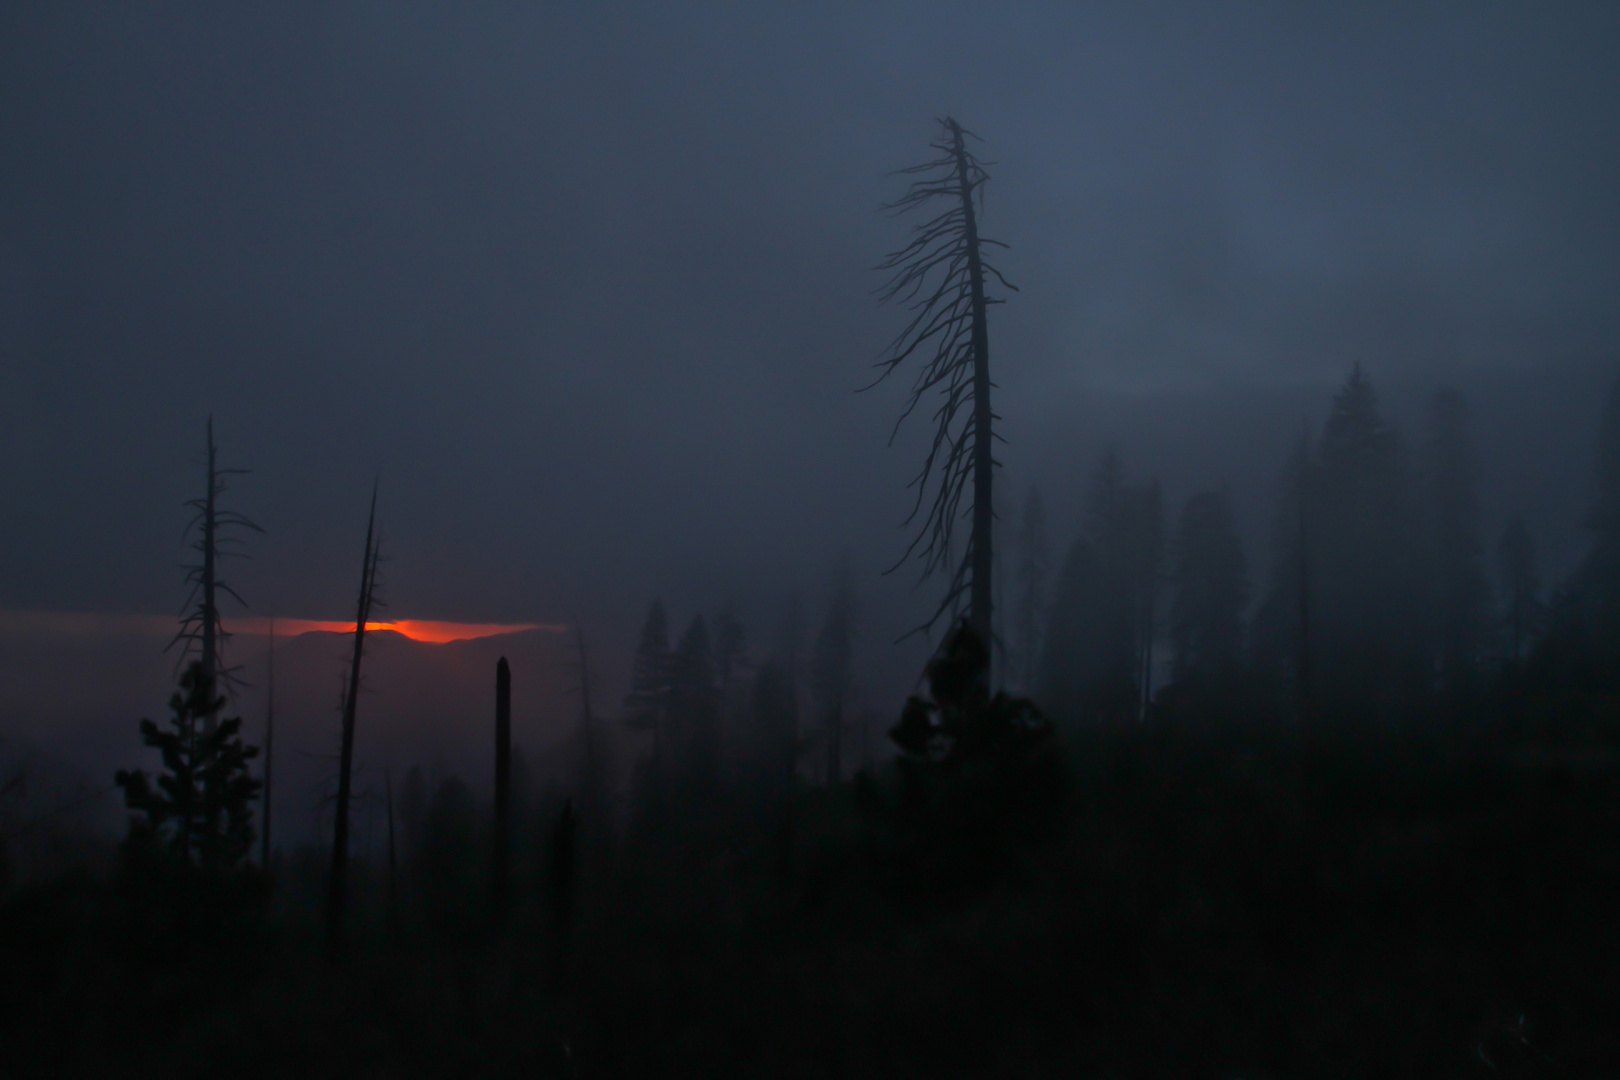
x=429, y=630
x=56, y=624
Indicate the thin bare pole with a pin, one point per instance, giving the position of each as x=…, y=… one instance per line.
x=393, y=858
x=590, y=802
x=269, y=744
x=1303, y=665
x=503, y=788
x=337, y=887
x=210, y=621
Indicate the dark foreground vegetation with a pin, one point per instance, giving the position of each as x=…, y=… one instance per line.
x=1365, y=823
x=1197, y=899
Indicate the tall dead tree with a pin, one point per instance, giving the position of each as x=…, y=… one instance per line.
x=940, y=276
x=201, y=631
x=501, y=862
x=338, y=883
x=393, y=858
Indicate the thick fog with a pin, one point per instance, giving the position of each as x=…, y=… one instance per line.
x=1274, y=730
x=589, y=290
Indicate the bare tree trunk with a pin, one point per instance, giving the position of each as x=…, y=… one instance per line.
x=393, y=858
x=338, y=883
x=200, y=627
x=1302, y=671
x=501, y=861
x=1147, y=659
x=980, y=598
x=591, y=786
x=210, y=646
x=269, y=746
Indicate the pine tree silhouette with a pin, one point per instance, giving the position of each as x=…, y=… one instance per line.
x=200, y=809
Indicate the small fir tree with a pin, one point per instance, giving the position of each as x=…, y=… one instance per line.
x=979, y=774
x=200, y=808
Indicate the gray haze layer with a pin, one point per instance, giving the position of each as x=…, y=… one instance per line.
x=589, y=286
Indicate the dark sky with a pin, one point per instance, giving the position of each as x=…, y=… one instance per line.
x=589, y=286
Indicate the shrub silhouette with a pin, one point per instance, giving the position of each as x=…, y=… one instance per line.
x=979, y=774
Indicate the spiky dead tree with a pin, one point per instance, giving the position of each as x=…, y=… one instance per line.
x=201, y=631
x=338, y=883
x=940, y=276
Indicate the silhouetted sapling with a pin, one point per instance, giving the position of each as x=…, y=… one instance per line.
x=978, y=772
x=200, y=811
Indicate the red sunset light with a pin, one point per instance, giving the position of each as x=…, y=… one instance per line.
x=416, y=629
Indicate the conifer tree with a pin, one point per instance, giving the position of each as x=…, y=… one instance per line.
x=941, y=276
x=776, y=728
x=200, y=809
x=593, y=752
x=1211, y=590
x=1029, y=600
x=1521, y=591
x=977, y=770
x=1597, y=582
x=1366, y=561
x=730, y=664
x=1100, y=630
x=648, y=700
x=693, y=712
x=1107, y=525
x=1461, y=588
x=730, y=647
x=1281, y=640
x=1072, y=650
x=1144, y=562
x=831, y=660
